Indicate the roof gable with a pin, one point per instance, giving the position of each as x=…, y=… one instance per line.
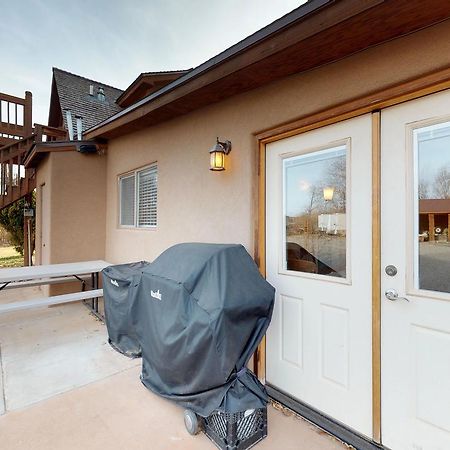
x=147, y=83
x=72, y=92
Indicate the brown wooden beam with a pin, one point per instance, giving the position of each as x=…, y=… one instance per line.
x=12, y=99
x=431, y=236
x=376, y=276
x=28, y=114
x=6, y=141
x=12, y=129
x=448, y=229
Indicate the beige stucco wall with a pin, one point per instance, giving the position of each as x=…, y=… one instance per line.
x=78, y=207
x=75, y=188
x=196, y=204
x=43, y=177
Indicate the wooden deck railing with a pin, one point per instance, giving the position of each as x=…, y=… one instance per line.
x=15, y=117
x=15, y=180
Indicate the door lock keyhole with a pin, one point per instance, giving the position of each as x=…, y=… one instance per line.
x=391, y=270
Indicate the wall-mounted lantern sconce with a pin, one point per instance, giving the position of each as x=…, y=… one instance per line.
x=217, y=155
x=328, y=193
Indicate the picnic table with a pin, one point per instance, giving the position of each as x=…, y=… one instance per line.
x=87, y=272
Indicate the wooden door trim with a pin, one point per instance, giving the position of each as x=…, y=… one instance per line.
x=372, y=103
x=376, y=276
x=259, y=363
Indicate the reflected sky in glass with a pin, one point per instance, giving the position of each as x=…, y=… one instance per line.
x=433, y=156
x=306, y=176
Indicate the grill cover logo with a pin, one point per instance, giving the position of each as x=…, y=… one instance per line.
x=156, y=294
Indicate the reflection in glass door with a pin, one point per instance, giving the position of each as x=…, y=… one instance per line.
x=315, y=193
x=432, y=207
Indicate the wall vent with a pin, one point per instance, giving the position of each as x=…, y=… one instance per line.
x=101, y=94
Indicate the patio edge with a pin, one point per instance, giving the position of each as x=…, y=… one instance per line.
x=336, y=429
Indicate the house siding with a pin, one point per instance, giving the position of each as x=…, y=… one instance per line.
x=75, y=186
x=78, y=206
x=43, y=176
x=195, y=204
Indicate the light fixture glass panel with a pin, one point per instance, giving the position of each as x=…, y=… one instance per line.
x=217, y=161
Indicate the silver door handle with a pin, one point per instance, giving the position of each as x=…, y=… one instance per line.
x=392, y=295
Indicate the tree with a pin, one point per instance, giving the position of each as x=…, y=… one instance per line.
x=313, y=200
x=441, y=184
x=423, y=190
x=337, y=178
x=12, y=220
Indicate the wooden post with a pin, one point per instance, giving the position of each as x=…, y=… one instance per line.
x=10, y=177
x=448, y=229
x=431, y=236
x=28, y=114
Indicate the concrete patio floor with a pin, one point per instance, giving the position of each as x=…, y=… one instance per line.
x=44, y=352
x=62, y=387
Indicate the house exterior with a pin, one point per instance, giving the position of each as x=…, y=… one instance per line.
x=70, y=174
x=70, y=185
x=340, y=107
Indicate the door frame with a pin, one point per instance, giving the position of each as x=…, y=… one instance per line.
x=399, y=93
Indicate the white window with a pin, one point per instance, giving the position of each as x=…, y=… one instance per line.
x=138, y=198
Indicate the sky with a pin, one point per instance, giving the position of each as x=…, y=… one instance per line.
x=113, y=41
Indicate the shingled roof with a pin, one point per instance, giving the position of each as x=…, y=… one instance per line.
x=73, y=94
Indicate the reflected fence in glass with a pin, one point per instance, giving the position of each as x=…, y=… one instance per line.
x=315, y=220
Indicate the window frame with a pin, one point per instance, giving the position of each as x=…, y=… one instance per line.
x=135, y=173
x=347, y=280
x=412, y=286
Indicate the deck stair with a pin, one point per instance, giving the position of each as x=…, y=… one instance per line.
x=16, y=181
x=17, y=137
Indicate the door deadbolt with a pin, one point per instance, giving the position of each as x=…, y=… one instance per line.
x=391, y=270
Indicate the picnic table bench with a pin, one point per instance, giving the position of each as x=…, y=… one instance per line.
x=87, y=272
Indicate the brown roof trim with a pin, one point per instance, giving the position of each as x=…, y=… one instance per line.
x=276, y=26
x=39, y=150
x=149, y=77
x=316, y=33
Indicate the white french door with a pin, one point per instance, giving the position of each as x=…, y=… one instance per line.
x=415, y=145
x=318, y=256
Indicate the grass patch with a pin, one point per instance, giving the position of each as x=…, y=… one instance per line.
x=10, y=258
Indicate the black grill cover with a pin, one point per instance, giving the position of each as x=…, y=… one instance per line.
x=119, y=286
x=201, y=311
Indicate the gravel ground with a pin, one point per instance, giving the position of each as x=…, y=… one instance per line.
x=434, y=266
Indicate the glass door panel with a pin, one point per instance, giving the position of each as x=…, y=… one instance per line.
x=315, y=212
x=432, y=207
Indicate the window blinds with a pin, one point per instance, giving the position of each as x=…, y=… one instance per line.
x=127, y=200
x=147, y=197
